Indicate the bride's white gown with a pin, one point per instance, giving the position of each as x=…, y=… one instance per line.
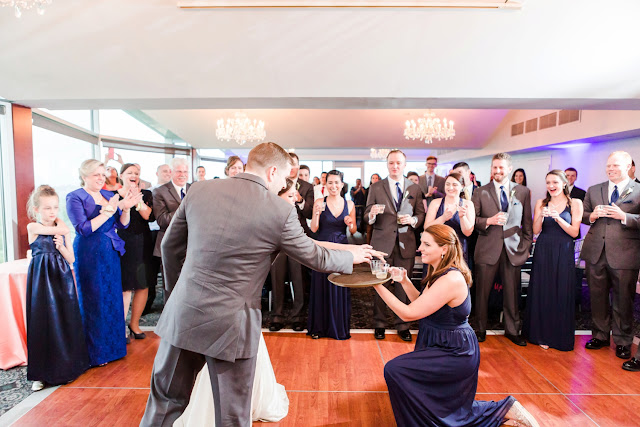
x=269, y=401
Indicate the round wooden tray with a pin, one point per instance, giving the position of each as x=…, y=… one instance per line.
x=360, y=278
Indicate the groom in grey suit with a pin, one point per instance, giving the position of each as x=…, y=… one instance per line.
x=502, y=245
x=610, y=251
x=216, y=255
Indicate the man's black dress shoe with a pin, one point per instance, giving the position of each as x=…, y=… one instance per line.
x=623, y=351
x=275, y=327
x=632, y=365
x=405, y=335
x=482, y=336
x=298, y=327
x=596, y=344
x=517, y=339
x=378, y=333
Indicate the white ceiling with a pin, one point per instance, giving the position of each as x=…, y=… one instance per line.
x=175, y=64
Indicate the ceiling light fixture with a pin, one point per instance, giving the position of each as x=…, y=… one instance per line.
x=20, y=5
x=429, y=128
x=380, y=153
x=240, y=129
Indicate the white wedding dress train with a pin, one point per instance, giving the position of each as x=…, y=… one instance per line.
x=269, y=401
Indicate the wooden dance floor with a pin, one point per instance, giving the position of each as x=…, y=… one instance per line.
x=341, y=383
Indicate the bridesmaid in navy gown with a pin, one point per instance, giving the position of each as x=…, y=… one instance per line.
x=462, y=220
x=550, y=316
x=55, y=341
x=330, y=305
x=435, y=385
x=95, y=214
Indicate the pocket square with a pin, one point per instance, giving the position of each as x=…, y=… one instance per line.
x=410, y=197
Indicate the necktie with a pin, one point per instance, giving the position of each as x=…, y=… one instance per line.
x=322, y=190
x=181, y=193
x=429, y=182
x=504, y=203
x=615, y=195
x=399, y=201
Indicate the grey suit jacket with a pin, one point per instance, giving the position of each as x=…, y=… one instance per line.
x=217, y=254
x=438, y=181
x=386, y=227
x=622, y=243
x=166, y=201
x=516, y=234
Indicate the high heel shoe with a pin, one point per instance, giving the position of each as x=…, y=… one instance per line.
x=139, y=336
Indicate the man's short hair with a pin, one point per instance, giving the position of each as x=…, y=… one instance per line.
x=266, y=155
x=572, y=170
x=624, y=155
x=323, y=173
x=633, y=163
x=463, y=165
x=412, y=173
x=432, y=158
x=294, y=155
x=397, y=151
x=161, y=166
x=305, y=167
x=502, y=156
x=199, y=167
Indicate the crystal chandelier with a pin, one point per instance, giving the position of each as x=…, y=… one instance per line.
x=428, y=128
x=241, y=129
x=20, y=5
x=380, y=153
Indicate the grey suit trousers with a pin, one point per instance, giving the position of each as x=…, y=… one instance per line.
x=622, y=282
x=174, y=375
x=379, y=307
x=510, y=276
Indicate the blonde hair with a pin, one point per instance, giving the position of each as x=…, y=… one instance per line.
x=444, y=235
x=88, y=167
x=502, y=156
x=624, y=155
x=34, y=199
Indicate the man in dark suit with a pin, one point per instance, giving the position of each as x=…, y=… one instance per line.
x=283, y=263
x=632, y=171
x=432, y=185
x=233, y=226
x=393, y=231
x=610, y=251
x=166, y=201
x=575, y=192
x=505, y=233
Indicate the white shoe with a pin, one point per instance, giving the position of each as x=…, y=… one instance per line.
x=522, y=417
x=37, y=386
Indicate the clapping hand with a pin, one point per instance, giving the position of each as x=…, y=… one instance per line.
x=131, y=199
x=348, y=220
x=449, y=211
x=462, y=210
x=318, y=208
x=553, y=213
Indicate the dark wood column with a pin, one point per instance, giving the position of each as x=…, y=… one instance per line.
x=23, y=158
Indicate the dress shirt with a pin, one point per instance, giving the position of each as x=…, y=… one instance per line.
x=318, y=191
x=468, y=190
x=429, y=177
x=570, y=188
x=184, y=189
x=394, y=191
x=621, y=186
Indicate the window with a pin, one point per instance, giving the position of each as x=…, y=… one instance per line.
x=121, y=125
x=3, y=237
x=212, y=152
x=372, y=167
x=213, y=168
x=56, y=159
x=148, y=162
x=81, y=118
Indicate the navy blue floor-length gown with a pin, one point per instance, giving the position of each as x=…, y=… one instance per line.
x=56, y=346
x=550, y=314
x=435, y=385
x=330, y=305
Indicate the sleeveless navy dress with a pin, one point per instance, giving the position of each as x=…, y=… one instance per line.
x=435, y=385
x=330, y=305
x=550, y=314
x=56, y=345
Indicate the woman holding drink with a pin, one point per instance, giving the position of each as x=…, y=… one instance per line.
x=436, y=384
x=454, y=211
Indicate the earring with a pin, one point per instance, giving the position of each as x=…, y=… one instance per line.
x=442, y=256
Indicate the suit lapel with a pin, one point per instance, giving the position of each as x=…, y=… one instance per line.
x=631, y=187
x=604, y=188
x=387, y=190
x=494, y=196
x=173, y=192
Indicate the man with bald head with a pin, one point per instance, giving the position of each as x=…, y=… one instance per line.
x=610, y=251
